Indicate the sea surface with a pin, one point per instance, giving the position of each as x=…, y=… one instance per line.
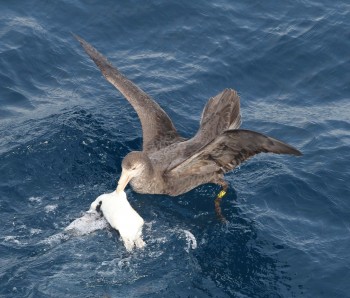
x=64, y=131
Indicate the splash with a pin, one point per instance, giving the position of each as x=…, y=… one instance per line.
x=86, y=224
x=191, y=241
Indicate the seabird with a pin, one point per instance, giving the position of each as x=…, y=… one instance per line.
x=170, y=164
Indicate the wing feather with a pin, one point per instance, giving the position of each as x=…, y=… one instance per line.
x=221, y=112
x=158, y=130
x=229, y=150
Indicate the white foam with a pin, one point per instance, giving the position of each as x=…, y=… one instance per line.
x=191, y=241
x=88, y=223
x=35, y=199
x=50, y=208
x=12, y=239
x=55, y=239
x=35, y=231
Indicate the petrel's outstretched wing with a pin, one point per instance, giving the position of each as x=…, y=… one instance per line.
x=221, y=112
x=158, y=130
x=227, y=151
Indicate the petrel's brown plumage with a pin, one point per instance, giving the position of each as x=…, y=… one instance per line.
x=170, y=164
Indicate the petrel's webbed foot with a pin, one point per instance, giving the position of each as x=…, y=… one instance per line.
x=218, y=199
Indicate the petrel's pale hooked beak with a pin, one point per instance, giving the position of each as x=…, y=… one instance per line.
x=123, y=180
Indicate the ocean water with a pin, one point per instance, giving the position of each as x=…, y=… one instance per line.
x=64, y=131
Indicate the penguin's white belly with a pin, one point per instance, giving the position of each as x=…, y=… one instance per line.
x=122, y=217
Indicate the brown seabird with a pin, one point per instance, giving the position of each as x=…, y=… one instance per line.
x=170, y=164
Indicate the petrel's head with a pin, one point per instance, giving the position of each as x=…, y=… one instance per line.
x=133, y=165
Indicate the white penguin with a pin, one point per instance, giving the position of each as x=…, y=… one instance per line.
x=122, y=217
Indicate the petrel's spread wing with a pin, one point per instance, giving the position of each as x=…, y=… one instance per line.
x=158, y=130
x=221, y=112
x=227, y=151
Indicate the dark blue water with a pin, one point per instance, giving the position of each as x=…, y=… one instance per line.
x=64, y=131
